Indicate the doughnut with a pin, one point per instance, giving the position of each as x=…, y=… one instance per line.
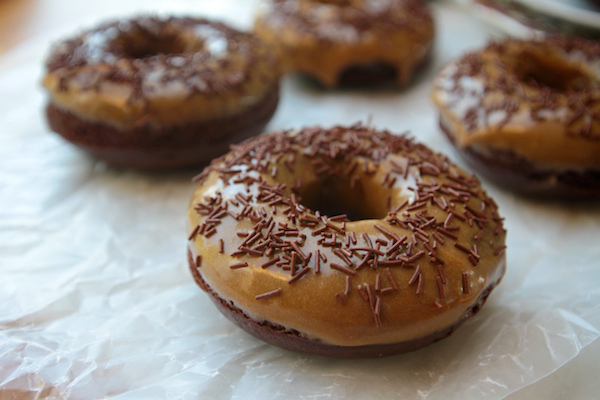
x=347, y=42
x=526, y=114
x=401, y=248
x=152, y=93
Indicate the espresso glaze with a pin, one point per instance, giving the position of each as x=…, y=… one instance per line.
x=324, y=38
x=433, y=203
x=159, y=72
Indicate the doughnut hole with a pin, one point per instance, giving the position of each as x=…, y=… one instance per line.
x=331, y=197
x=146, y=46
x=551, y=72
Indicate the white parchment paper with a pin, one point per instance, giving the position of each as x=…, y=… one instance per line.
x=96, y=300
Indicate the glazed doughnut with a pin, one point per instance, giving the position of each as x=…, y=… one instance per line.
x=401, y=248
x=526, y=114
x=156, y=93
x=348, y=41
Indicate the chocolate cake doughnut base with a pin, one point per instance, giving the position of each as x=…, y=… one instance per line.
x=147, y=148
x=279, y=336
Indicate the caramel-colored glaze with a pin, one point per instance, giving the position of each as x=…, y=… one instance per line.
x=203, y=71
x=539, y=100
x=310, y=305
x=316, y=38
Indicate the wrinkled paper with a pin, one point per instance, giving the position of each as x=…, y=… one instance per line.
x=96, y=300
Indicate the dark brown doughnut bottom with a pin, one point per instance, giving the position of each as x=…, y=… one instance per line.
x=368, y=75
x=293, y=340
x=511, y=171
x=177, y=146
x=374, y=75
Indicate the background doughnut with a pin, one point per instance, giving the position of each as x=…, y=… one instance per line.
x=526, y=114
x=160, y=93
x=348, y=41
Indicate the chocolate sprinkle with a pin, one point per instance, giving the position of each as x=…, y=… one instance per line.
x=300, y=273
x=500, y=250
x=465, y=283
x=267, y=295
x=342, y=269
